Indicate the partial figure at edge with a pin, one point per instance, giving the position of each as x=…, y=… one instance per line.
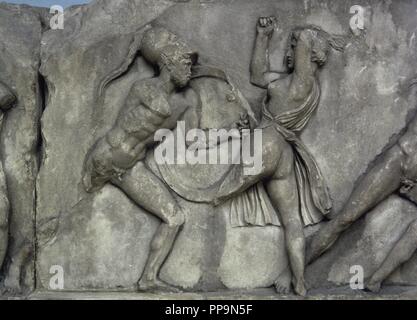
x=7, y=100
x=394, y=171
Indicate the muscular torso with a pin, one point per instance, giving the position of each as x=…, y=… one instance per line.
x=208, y=103
x=146, y=110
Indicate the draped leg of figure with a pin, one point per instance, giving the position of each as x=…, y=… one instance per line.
x=150, y=193
x=379, y=182
x=273, y=146
x=283, y=191
x=402, y=252
x=278, y=168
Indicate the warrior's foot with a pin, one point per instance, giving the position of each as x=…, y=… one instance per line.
x=12, y=285
x=282, y=288
x=156, y=286
x=373, y=286
x=283, y=282
x=300, y=287
x=11, y=291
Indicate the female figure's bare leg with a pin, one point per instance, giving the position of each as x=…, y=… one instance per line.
x=402, y=252
x=150, y=193
x=279, y=174
x=383, y=179
x=283, y=191
x=278, y=170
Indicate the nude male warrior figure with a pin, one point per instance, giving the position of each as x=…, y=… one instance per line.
x=147, y=109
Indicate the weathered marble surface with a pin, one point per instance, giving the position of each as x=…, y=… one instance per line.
x=389, y=293
x=20, y=37
x=72, y=70
x=367, y=245
x=102, y=240
x=363, y=106
x=72, y=74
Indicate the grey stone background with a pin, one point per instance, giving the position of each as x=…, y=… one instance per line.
x=102, y=240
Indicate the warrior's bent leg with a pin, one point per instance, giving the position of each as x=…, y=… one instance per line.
x=379, y=182
x=402, y=252
x=150, y=193
x=283, y=191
